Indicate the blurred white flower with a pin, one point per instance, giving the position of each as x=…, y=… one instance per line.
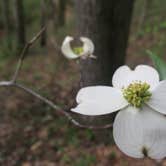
x=139, y=128
x=78, y=52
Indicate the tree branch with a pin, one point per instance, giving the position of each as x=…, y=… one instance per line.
x=24, y=52
x=13, y=83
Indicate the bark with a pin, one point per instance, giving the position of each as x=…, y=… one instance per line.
x=54, y=13
x=144, y=14
x=62, y=11
x=19, y=23
x=107, y=23
x=6, y=13
x=43, y=41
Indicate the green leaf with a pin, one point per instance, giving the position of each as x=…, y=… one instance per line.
x=159, y=63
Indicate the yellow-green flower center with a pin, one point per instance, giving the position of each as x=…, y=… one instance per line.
x=137, y=93
x=78, y=50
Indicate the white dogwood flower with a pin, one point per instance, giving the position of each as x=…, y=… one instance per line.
x=78, y=52
x=139, y=128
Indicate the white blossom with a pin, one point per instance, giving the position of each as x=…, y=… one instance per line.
x=83, y=52
x=139, y=128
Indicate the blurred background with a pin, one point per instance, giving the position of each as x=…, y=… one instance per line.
x=33, y=134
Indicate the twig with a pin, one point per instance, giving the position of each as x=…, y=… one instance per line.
x=24, y=51
x=58, y=108
x=13, y=83
x=51, y=104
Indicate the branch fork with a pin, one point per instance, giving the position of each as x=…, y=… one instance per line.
x=13, y=83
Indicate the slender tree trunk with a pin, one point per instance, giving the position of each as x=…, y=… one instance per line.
x=62, y=11
x=20, y=23
x=6, y=13
x=43, y=23
x=144, y=14
x=6, y=21
x=54, y=13
x=107, y=23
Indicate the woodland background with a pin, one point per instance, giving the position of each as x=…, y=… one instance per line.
x=31, y=133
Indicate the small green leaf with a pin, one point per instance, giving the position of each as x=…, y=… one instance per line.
x=159, y=63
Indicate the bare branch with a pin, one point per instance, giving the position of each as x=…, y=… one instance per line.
x=57, y=108
x=52, y=105
x=24, y=51
x=13, y=83
x=5, y=83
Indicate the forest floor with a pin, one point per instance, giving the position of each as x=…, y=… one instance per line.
x=32, y=134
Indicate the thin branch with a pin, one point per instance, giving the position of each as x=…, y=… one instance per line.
x=57, y=108
x=13, y=83
x=52, y=105
x=24, y=51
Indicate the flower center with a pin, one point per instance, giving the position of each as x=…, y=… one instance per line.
x=78, y=50
x=137, y=93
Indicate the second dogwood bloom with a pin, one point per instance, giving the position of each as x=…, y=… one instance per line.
x=85, y=51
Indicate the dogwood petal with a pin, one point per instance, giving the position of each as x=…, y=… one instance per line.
x=158, y=99
x=123, y=76
x=138, y=133
x=67, y=50
x=120, y=77
x=99, y=100
x=88, y=46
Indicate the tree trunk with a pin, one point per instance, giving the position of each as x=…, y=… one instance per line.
x=6, y=13
x=107, y=23
x=43, y=23
x=6, y=21
x=62, y=10
x=54, y=13
x=20, y=24
x=144, y=14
